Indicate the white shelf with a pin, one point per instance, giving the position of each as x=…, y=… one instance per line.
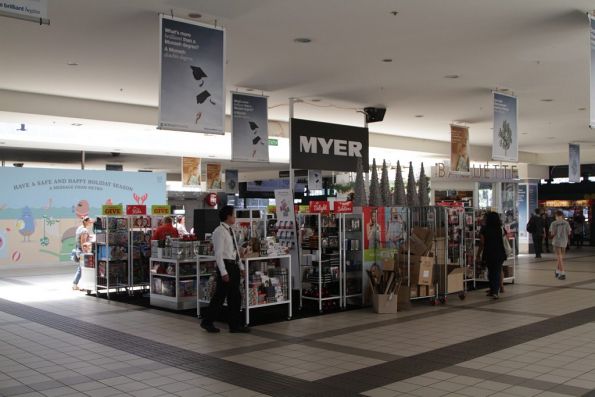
x=173, y=275
x=191, y=260
x=269, y=304
x=330, y=298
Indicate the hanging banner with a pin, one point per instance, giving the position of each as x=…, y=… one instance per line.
x=522, y=205
x=190, y=171
x=231, y=182
x=214, y=176
x=459, y=149
x=574, y=163
x=505, y=145
x=192, y=96
x=319, y=207
x=249, y=128
x=28, y=10
x=592, y=71
x=314, y=180
x=343, y=207
x=326, y=146
x=136, y=210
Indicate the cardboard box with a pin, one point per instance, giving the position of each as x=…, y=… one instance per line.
x=426, y=271
x=404, y=299
x=426, y=290
x=440, y=250
x=385, y=304
x=454, y=279
x=413, y=293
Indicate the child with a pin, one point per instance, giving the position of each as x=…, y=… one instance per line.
x=559, y=232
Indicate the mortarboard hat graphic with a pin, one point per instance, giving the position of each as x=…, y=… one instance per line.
x=253, y=125
x=255, y=140
x=202, y=97
x=198, y=74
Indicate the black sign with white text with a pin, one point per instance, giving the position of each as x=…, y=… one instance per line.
x=326, y=146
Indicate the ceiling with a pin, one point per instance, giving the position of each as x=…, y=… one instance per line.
x=537, y=49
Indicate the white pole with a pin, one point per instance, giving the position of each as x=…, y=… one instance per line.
x=291, y=176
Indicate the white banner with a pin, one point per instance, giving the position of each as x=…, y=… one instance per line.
x=192, y=96
x=249, y=128
x=574, y=163
x=29, y=10
x=505, y=145
x=592, y=70
x=314, y=180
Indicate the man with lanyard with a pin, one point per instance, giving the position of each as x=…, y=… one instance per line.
x=229, y=271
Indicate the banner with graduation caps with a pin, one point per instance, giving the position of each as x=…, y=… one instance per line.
x=314, y=180
x=231, y=182
x=192, y=96
x=505, y=144
x=249, y=128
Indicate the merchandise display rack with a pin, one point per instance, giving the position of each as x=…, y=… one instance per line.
x=205, y=281
x=471, y=246
x=352, y=258
x=320, y=266
x=111, y=255
x=140, y=232
x=268, y=283
x=173, y=283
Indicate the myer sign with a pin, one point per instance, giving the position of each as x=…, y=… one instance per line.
x=326, y=146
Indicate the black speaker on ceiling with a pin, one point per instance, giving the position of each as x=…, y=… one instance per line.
x=374, y=115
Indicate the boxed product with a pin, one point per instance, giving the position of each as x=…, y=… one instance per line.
x=426, y=270
x=385, y=303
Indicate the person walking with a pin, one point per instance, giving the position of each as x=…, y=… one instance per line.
x=82, y=238
x=229, y=271
x=492, y=252
x=536, y=227
x=559, y=233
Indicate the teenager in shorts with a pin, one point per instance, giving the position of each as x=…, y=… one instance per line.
x=559, y=232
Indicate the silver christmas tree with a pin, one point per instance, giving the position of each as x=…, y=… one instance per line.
x=412, y=198
x=359, y=199
x=384, y=186
x=374, y=200
x=399, y=199
x=424, y=188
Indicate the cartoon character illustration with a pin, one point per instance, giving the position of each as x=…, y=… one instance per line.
x=49, y=204
x=3, y=244
x=81, y=209
x=68, y=244
x=26, y=224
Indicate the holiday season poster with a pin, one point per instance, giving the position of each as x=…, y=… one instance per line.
x=459, y=149
x=214, y=176
x=232, y=184
x=249, y=128
x=192, y=97
x=314, y=180
x=505, y=145
x=190, y=171
x=40, y=209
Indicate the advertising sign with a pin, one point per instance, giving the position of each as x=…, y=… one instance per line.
x=214, y=176
x=314, y=180
x=160, y=210
x=190, y=171
x=592, y=71
x=29, y=10
x=249, y=128
x=343, y=207
x=505, y=145
x=523, y=211
x=319, y=207
x=326, y=146
x=574, y=163
x=192, y=96
x=112, y=210
x=136, y=210
x=231, y=182
x=459, y=149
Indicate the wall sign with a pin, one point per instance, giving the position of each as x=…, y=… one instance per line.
x=574, y=163
x=160, y=210
x=343, y=207
x=192, y=77
x=249, y=128
x=319, y=207
x=459, y=149
x=136, y=210
x=28, y=10
x=486, y=173
x=112, y=210
x=326, y=146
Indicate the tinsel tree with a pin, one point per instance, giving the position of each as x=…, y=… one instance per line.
x=399, y=198
x=359, y=199
x=384, y=187
x=412, y=198
x=375, y=200
x=424, y=189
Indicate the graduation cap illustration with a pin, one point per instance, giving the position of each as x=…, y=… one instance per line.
x=253, y=125
x=198, y=74
x=202, y=97
x=255, y=140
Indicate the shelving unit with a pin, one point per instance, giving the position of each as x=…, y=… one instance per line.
x=111, y=254
x=268, y=283
x=320, y=261
x=88, y=279
x=173, y=283
x=471, y=246
x=140, y=231
x=205, y=281
x=352, y=258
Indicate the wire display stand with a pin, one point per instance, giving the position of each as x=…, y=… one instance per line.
x=205, y=280
x=352, y=258
x=140, y=231
x=112, y=262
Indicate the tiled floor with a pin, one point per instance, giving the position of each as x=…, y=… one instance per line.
x=538, y=340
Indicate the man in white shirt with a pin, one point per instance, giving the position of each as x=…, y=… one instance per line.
x=229, y=271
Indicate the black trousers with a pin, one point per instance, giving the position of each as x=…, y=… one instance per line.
x=229, y=291
x=538, y=244
x=494, y=273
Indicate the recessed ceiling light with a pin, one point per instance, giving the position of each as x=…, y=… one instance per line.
x=547, y=100
x=582, y=109
x=72, y=63
x=419, y=116
x=194, y=15
x=387, y=60
x=316, y=100
x=452, y=76
x=302, y=40
x=76, y=124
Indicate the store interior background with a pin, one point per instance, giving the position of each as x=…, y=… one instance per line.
x=86, y=93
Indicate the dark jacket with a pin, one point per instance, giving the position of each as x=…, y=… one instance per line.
x=538, y=225
x=493, y=247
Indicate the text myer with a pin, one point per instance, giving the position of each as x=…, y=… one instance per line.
x=339, y=147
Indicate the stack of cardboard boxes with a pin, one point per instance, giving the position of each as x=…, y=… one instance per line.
x=420, y=253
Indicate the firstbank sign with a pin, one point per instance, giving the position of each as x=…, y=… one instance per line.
x=325, y=146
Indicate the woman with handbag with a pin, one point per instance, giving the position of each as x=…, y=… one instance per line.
x=82, y=237
x=492, y=250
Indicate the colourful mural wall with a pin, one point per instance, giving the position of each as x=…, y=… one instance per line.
x=40, y=209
